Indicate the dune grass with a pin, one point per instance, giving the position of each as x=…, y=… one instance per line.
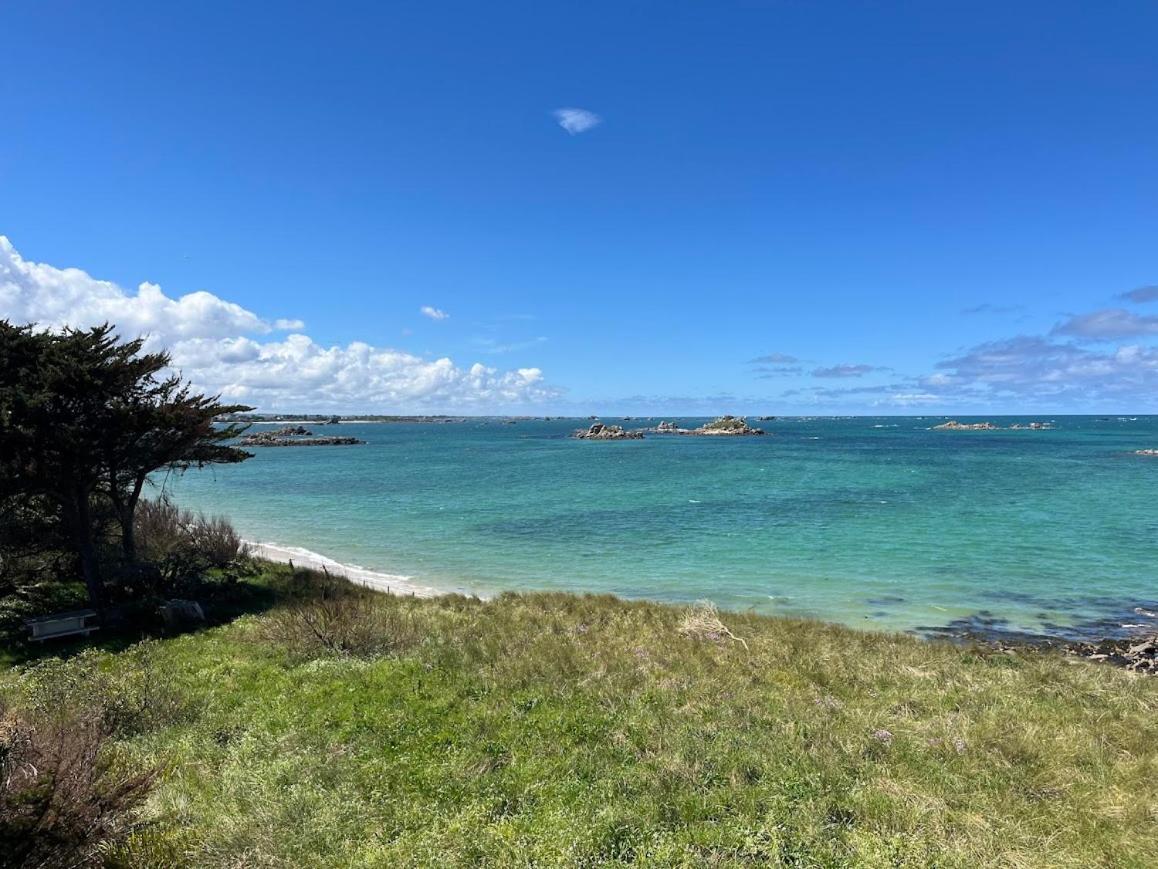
x=557, y=730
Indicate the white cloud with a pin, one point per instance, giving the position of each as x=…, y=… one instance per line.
x=52, y=298
x=576, y=121
x=212, y=342
x=433, y=313
x=1033, y=369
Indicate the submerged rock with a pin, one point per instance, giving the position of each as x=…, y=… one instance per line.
x=1146, y=452
x=1033, y=426
x=601, y=432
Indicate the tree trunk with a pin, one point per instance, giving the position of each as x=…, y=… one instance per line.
x=127, y=513
x=78, y=516
x=128, y=537
x=126, y=509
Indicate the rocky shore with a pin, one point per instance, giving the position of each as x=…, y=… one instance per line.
x=1136, y=655
x=295, y=436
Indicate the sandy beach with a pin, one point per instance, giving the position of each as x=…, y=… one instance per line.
x=390, y=583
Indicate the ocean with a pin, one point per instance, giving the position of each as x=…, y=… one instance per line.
x=876, y=523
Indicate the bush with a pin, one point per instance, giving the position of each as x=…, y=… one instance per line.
x=62, y=795
x=180, y=545
x=340, y=618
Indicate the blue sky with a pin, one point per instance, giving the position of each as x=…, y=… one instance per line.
x=903, y=207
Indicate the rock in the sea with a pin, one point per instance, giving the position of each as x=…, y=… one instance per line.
x=953, y=425
x=601, y=432
x=1146, y=452
x=727, y=425
x=294, y=437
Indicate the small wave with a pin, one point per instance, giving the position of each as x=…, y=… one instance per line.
x=393, y=583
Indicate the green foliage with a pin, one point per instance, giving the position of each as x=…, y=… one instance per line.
x=557, y=730
x=84, y=419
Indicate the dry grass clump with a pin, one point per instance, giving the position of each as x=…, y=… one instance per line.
x=63, y=797
x=702, y=622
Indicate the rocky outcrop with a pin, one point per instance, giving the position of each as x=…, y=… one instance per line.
x=724, y=426
x=728, y=425
x=953, y=425
x=1139, y=656
x=294, y=436
x=601, y=432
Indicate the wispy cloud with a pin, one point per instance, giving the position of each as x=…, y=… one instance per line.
x=1108, y=324
x=846, y=370
x=1142, y=294
x=490, y=345
x=993, y=309
x=774, y=359
x=576, y=121
x=1033, y=368
x=433, y=313
x=765, y=372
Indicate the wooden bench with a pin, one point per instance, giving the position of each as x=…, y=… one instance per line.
x=62, y=625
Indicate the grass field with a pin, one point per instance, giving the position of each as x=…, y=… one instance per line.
x=556, y=730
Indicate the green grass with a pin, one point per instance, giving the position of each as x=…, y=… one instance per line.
x=548, y=729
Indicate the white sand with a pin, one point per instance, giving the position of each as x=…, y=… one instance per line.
x=391, y=583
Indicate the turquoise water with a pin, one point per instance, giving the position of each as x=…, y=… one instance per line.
x=871, y=522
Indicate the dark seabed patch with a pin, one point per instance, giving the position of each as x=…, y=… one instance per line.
x=1116, y=620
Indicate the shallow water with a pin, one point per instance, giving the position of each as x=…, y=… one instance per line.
x=875, y=522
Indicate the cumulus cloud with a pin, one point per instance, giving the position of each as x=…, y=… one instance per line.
x=1108, y=324
x=1142, y=294
x=53, y=298
x=845, y=370
x=433, y=313
x=213, y=343
x=576, y=121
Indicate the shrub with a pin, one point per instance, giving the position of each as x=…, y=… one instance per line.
x=130, y=700
x=183, y=545
x=341, y=618
x=62, y=794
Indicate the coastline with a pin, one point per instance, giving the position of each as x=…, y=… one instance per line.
x=389, y=583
